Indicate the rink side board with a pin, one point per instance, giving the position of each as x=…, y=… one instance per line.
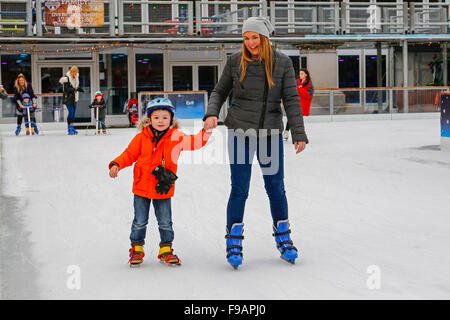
x=445, y=121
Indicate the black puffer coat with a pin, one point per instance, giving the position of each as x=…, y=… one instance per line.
x=248, y=109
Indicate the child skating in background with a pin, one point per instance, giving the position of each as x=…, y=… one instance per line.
x=155, y=150
x=26, y=103
x=99, y=102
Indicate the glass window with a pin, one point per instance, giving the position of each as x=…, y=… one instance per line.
x=349, y=76
x=207, y=78
x=149, y=72
x=114, y=80
x=12, y=65
x=295, y=64
x=371, y=79
x=182, y=78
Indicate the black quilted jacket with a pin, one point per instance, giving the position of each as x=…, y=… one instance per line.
x=249, y=109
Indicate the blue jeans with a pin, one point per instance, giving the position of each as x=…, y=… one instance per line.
x=270, y=155
x=163, y=213
x=101, y=123
x=72, y=109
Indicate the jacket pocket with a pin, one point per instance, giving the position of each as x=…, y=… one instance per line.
x=137, y=174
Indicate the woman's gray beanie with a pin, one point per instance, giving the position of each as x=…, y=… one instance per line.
x=259, y=25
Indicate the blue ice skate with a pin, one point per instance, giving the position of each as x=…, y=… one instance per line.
x=71, y=130
x=284, y=242
x=18, y=130
x=234, y=244
x=34, y=126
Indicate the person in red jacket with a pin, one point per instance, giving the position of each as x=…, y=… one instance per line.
x=306, y=92
x=155, y=150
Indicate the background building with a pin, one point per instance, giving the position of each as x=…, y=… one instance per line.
x=136, y=46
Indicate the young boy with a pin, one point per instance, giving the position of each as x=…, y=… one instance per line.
x=27, y=104
x=99, y=103
x=155, y=150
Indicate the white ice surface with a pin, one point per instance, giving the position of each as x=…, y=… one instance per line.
x=362, y=193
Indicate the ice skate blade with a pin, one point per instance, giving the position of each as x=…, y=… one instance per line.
x=287, y=260
x=234, y=266
x=135, y=265
x=173, y=265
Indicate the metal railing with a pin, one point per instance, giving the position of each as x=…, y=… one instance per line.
x=429, y=17
x=380, y=100
x=155, y=17
x=380, y=17
x=226, y=17
x=179, y=18
x=15, y=17
x=49, y=109
x=305, y=17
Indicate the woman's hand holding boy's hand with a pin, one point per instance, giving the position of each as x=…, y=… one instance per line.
x=210, y=123
x=113, y=171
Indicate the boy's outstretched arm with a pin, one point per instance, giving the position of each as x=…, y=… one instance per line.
x=194, y=142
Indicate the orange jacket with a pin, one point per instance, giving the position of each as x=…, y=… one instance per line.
x=142, y=151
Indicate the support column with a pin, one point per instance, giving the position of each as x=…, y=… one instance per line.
x=131, y=71
x=444, y=65
x=405, y=75
x=379, y=77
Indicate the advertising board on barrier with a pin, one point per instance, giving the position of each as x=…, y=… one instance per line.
x=188, y=104
x=445, y=121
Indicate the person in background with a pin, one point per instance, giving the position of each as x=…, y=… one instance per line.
x=99, y=102
x=28, y=109
x=3, y=93
x=305, y=90
x=22, y=86
x=71, y=90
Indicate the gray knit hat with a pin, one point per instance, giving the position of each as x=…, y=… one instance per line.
x=259, y=25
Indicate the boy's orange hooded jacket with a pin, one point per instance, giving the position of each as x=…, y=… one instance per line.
x=142, y=151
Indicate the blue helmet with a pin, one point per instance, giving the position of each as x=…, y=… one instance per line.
x=158, y=104
x=25, y=96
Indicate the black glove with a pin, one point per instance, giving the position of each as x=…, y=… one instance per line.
x=165, y=178
x=79, y=89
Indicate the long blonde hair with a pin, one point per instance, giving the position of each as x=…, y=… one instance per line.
x=144, y=122
x=265, y=54
x=19, y=87
x=73, y=69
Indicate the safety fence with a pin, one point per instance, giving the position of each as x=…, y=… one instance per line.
x=49, y=109
x=383, y=100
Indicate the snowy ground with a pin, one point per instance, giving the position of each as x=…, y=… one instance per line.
x=363, y=193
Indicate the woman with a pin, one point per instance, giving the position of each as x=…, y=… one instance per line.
x=21, y=86
x=71, y=90
x=260, y=78
x=305, y=90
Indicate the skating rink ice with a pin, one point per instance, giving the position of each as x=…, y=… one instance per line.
x=368, y=205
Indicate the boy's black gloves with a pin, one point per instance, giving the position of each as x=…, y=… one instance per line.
x=166, y=179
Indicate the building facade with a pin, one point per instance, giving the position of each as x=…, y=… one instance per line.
x=142, y=46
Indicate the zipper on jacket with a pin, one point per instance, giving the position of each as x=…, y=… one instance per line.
x=266, y=91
